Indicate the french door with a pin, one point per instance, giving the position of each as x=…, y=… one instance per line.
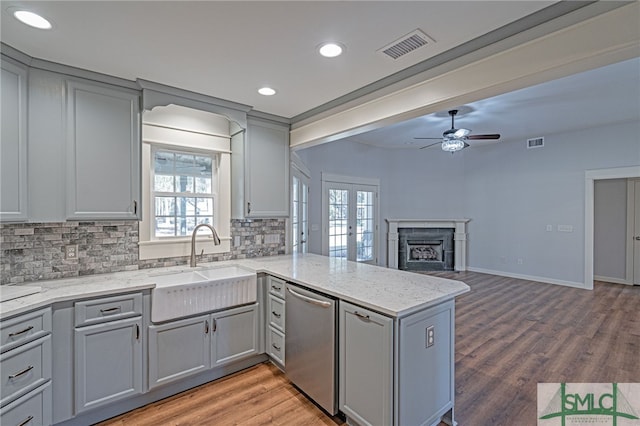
x=350, y=221
x=299, y=213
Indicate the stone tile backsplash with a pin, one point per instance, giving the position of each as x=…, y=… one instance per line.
x=36, y=251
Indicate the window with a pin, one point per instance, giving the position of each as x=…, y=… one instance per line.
x=186, y=180
x=183, y=192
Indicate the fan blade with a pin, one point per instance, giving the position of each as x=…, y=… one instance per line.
x=423, y=147
x=477, y=137
x=435, y=139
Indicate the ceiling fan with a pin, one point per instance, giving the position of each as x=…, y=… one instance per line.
x=456, y=139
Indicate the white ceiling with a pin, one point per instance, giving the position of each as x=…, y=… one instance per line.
x=230, y=49
x=598, y=97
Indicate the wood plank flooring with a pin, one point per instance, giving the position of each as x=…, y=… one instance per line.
x=510, y=335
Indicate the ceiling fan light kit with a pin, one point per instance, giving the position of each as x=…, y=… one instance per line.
x=452, y=145
x=456, y=139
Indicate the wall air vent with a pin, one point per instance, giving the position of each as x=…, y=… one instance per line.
x=535, y=142
x=406, y=44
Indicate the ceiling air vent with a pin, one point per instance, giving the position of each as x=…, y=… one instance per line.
x=535, y=142
x=406, y=44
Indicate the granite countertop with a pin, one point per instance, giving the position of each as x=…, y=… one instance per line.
x=388, y=291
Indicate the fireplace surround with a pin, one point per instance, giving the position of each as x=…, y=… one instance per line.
x=425, y=247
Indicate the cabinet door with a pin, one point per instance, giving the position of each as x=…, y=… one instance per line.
x=13, y=143
x=234, y=335
x=108, y=362
x=103, y=152
x=266, y=170
x=168, y=358
x=366, y=365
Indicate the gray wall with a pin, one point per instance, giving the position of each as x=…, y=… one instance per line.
x=510, y=194
x=610, y=229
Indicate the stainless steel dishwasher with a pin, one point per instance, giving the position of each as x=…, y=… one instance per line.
x=310, y=343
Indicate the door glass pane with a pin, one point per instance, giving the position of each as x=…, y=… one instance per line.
x=338, y=218
x=304, y=218
x=364, y=226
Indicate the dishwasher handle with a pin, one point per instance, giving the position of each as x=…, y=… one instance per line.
x=308, y=299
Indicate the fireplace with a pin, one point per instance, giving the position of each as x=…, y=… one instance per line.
x=430, y=244
x=422, y=249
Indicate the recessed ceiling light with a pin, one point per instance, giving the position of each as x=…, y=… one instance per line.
x=331, y=50
x=266, y=91
x=32, y=19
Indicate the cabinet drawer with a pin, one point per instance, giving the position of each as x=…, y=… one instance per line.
x=31, y=409
x=107, y=309
x=276, y=286
x=24, y=328
x=275, y=312
x=25, y=368
x=275, y=345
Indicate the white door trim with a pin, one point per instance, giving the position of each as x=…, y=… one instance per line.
x=590, y=177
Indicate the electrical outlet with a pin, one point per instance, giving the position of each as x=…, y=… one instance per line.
x=520, y=261
x=430, y=336
x=71, y=252
x=549, y=228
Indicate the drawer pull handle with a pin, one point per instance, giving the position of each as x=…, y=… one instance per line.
x=362, y=316
x=215, y=325
x=108, y=311
x=277, y=348
x=206, y=327
x=17, y=333
x=275, y=314
x=276, y=288
x=20, y=373
x=25, y=421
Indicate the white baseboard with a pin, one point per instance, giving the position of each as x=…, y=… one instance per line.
x=528, y=277
x=612, y=280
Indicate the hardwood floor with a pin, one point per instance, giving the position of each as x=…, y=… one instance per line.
x=260, y=395
x=513, y=334
x=510, y=335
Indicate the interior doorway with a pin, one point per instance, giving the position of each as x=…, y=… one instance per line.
x=590, y=177
x=635, y=206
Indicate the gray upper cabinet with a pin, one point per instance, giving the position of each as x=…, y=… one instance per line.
x=13, y=146
x=261, y=162
x=103, y=152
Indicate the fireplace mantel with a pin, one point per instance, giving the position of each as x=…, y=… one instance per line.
x=459, y=237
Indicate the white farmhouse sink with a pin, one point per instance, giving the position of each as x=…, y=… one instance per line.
x=187, y=293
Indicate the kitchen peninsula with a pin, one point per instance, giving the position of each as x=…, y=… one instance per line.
x=395, y=338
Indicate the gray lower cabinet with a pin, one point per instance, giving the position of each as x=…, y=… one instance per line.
x=234, y=334
x=275, y=319
x=396, y=371
x=168, y=358
x=425, y=382
x=366, y=365
x=25, y=363
x=212, y=340
x=108, y=362
x=33, y=408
